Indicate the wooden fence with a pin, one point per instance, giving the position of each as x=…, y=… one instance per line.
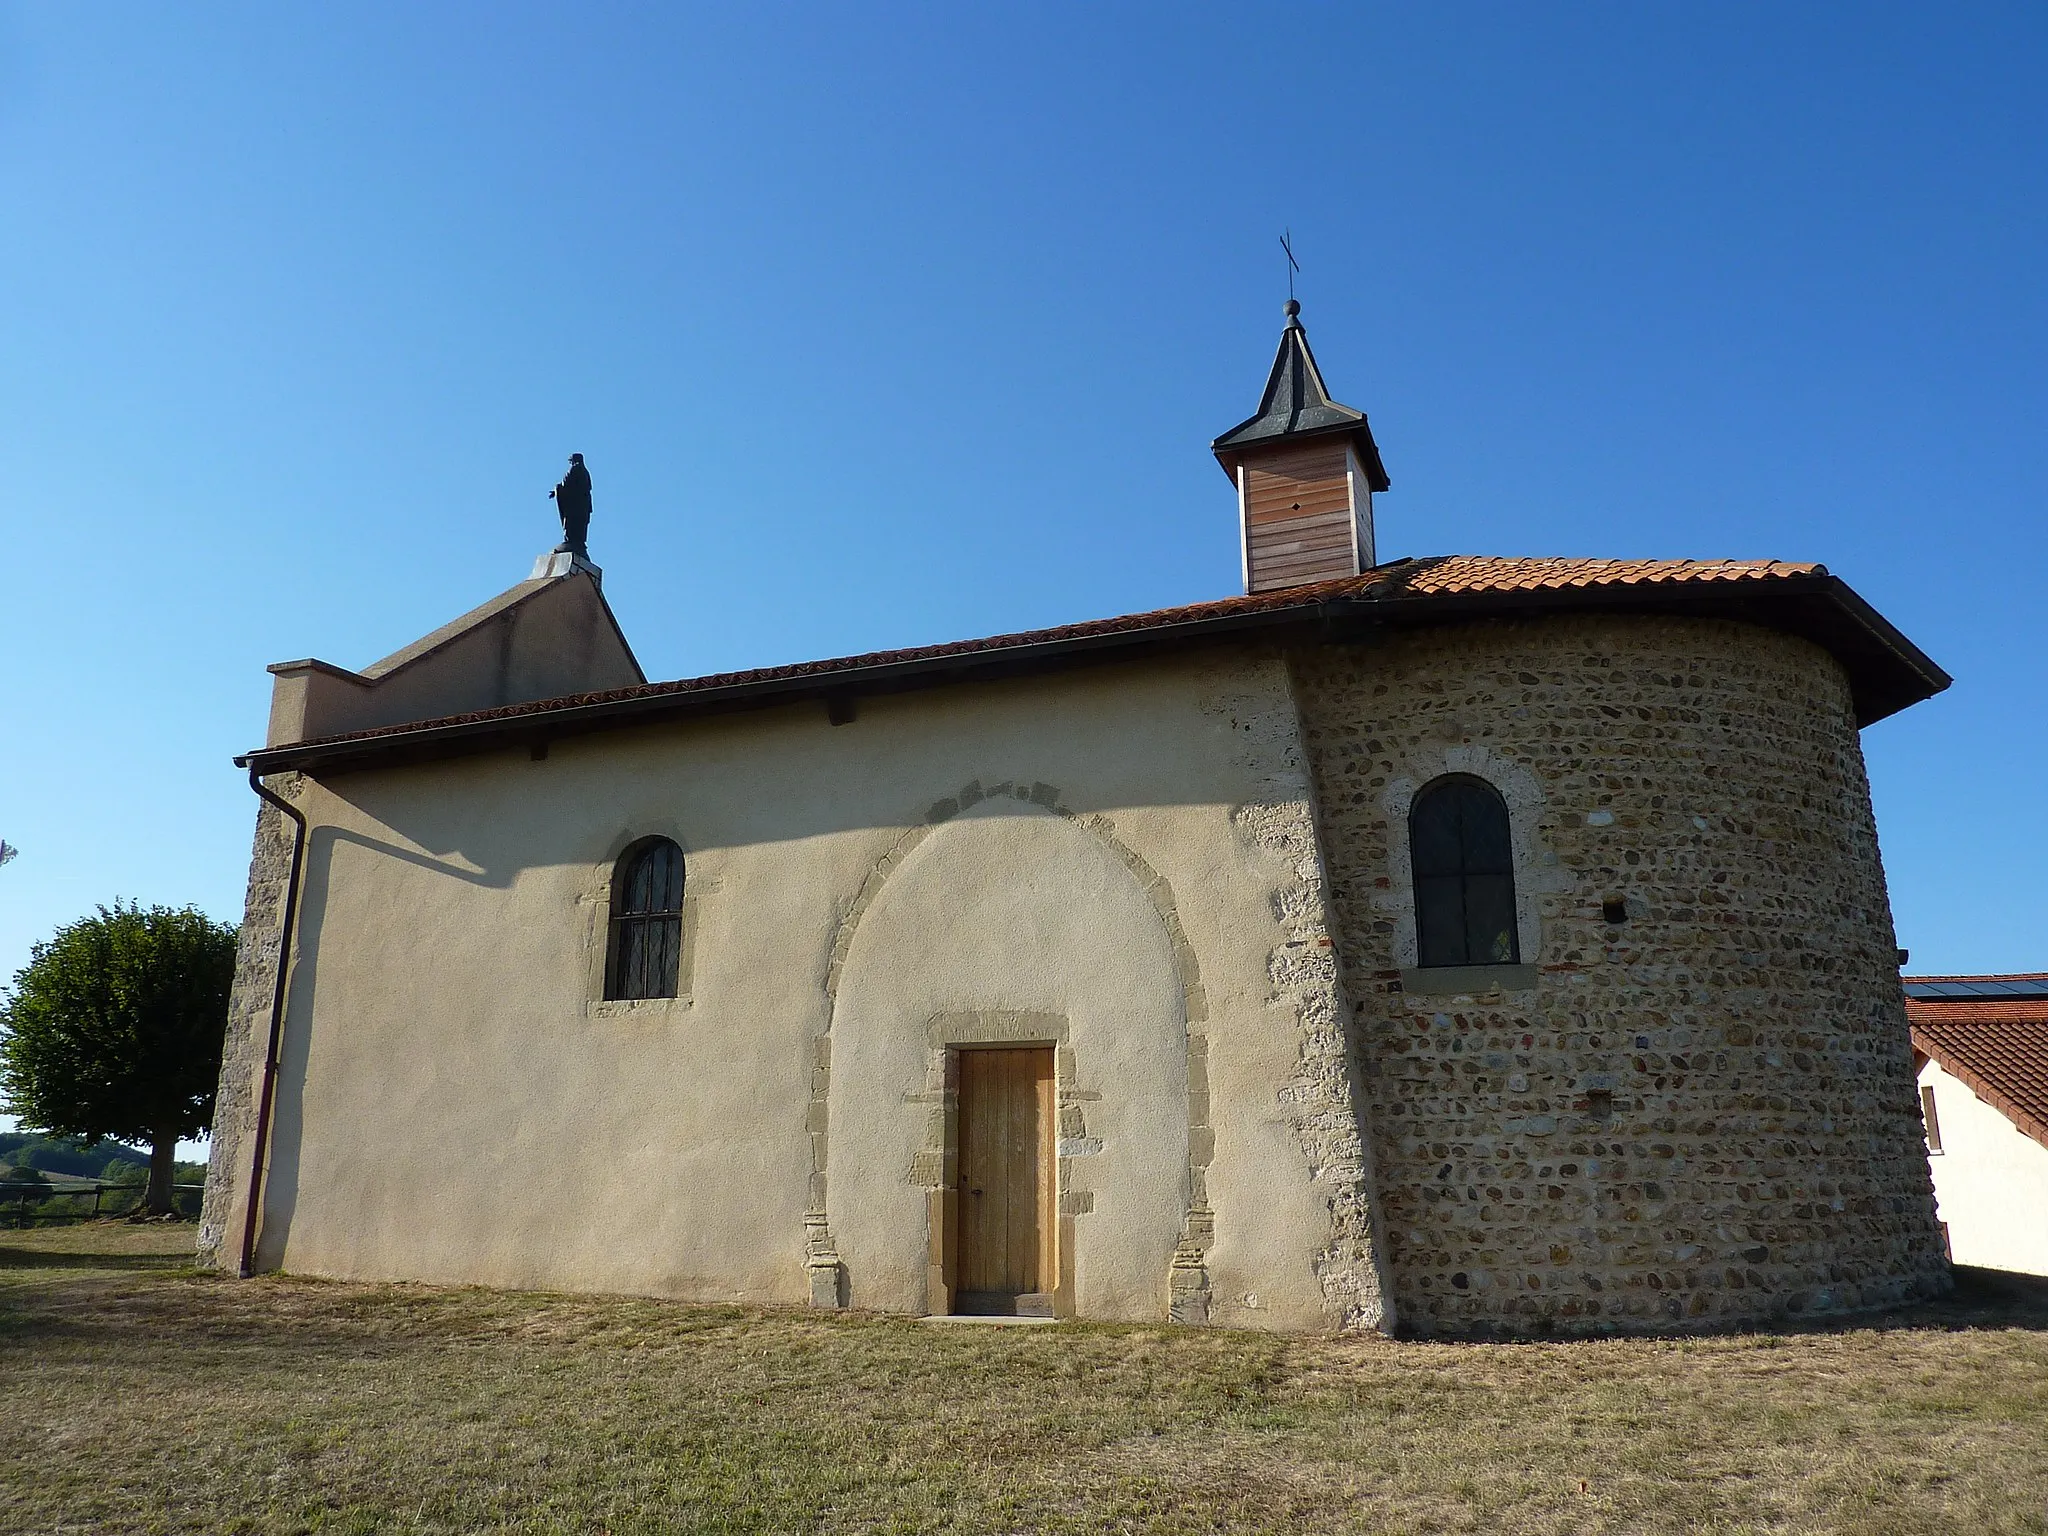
x=28, y=1204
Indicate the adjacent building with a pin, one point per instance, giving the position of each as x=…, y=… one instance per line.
x=1980, y=1044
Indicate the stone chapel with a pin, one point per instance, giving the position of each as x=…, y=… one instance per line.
x=1466, y=945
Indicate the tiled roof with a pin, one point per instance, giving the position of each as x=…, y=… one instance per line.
x=1489, y=573
x=1997, y=1048
x=1442, y=574
x=1439, y=586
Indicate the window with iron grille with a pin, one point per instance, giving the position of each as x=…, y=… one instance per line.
x=646, y=921
x=1464, y=874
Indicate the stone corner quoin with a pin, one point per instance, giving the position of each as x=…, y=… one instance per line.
x=1700, y=1116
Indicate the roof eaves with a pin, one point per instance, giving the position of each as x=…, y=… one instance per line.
x=1930, y=1044
x=764, y=688
x=1820, y=607
x=1348, y=420
x=1340, y=610
x=1887, y=634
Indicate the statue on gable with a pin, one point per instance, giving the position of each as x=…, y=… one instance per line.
x=572, y=502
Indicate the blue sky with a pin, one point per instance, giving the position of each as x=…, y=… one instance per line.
x=888, y=325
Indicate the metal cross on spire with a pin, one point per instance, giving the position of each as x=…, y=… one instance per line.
x=1293, y=266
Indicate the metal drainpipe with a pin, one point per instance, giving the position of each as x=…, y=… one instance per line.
x=247, y=1266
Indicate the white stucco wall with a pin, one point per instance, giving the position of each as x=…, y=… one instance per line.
x=1010, y=909
x=1097, y=847
x=1990, y=1181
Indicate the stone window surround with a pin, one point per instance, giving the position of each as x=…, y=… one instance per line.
x=1536, y=869
x=597, y=900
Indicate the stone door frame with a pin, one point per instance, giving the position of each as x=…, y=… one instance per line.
x=947, y=1035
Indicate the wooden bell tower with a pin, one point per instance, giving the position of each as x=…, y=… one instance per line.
x=1305, y=468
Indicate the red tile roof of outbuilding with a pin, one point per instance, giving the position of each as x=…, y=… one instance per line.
x=1997, y=1047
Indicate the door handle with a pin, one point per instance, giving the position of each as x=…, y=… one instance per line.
x=974, y=1192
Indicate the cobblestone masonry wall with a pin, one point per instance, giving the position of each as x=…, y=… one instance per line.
x=1700, y=1115
x=248, y=1032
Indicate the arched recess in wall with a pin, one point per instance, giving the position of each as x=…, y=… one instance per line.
x=1005, y=916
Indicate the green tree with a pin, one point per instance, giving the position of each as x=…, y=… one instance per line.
x=114, y=1028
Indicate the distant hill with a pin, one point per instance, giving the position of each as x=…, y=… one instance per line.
x=26, y=1149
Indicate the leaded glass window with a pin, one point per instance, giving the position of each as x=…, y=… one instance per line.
x=647, y=921
x=1464, y=875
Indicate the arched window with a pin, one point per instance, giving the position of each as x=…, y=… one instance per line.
x=1464, y=874
x=647, y=921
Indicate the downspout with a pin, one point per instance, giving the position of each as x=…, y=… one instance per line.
x=247, y=1265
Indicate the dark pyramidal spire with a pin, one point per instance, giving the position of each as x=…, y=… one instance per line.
x=1297, y=405
x=1306, y=468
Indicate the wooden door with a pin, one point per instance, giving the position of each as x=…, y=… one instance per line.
x=1006, y=1256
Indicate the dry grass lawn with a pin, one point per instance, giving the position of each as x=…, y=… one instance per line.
x=138, y=1395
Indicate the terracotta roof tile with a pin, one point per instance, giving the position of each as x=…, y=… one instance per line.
x=1490, y=573
x=1997, y=1047
x=1434, y=576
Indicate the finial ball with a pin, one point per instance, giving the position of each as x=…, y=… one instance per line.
x=1293, y=308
